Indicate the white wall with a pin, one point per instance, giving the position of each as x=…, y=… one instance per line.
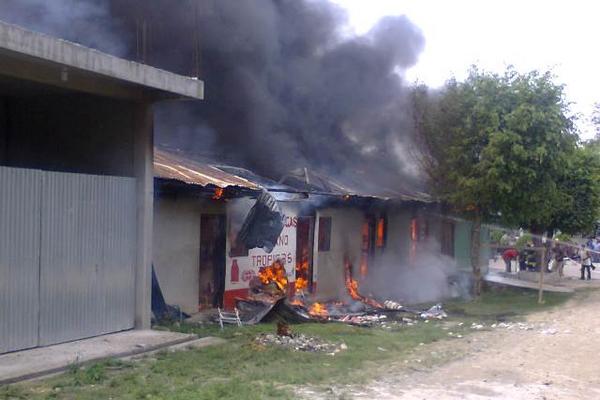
x=177, y=247
x=346, y=225
x=284, y=250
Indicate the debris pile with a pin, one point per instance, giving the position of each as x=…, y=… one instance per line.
x=392, y=305
x=435, y=312
x=299, y=342
x=268, y=301
x=365, y=320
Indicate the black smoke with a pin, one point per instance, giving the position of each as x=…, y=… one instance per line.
x=285, y=87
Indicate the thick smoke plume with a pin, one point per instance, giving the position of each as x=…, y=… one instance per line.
x=87, y=22
x=430, y=277
x=284, y=87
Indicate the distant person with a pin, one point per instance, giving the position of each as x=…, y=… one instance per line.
x=586, y=263
x=508, y=256
x=590, y=243
x=559, y=260
x=596, y=253
x=531, y=257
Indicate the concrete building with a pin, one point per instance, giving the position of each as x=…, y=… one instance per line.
x=76, y=188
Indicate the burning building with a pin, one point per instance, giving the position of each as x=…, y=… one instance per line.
x=333, y=239
x=199, y=260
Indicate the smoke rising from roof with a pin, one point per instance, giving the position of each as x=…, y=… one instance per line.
x=284, y=87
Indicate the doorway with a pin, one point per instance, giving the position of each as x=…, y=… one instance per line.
x=304, y=254
x=212, y=261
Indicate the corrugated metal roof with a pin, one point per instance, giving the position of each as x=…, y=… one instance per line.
x=170, y=165
x=308, y=180
x=179, y=167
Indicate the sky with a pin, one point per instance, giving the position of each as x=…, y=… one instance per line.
x=563, y=36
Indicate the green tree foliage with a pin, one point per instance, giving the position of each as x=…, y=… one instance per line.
x=503, y=148
x=580, y=186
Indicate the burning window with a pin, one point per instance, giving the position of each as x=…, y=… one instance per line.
x=324, y=233
x=414, y=230
x=381, y=232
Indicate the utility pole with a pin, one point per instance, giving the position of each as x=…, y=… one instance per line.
x=542, y=270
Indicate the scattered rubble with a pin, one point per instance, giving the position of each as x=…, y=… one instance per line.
x=392, y=305
x=435, y=312
x=300, y=342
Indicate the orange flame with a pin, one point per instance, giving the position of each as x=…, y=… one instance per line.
x=218, y=193
x=274, y=273
x=352, y=286
x=301, y=284
x=302, y=270
x=380, y=238
x=318, y=310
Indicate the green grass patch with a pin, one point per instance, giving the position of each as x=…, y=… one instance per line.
x=505, y=303
x=241, y=369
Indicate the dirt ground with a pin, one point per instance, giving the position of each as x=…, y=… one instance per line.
x=553, y=355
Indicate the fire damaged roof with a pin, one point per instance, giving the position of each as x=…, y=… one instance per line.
x=310, y=181
x=174, y=166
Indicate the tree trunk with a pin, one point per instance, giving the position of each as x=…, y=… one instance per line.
x=476, y=254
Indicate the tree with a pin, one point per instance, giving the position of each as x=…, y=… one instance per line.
x=580, y=186
x=499, y=148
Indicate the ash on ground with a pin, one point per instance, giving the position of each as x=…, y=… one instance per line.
x=300, y=342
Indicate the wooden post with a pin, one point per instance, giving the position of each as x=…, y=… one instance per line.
x=542, y=270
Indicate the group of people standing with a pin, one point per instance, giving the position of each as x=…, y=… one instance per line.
x=556, y=254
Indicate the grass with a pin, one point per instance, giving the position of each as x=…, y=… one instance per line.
x=243, y=370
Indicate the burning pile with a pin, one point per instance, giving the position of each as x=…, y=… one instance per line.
x=270, y=284
x=269, y=302
x=274, y=274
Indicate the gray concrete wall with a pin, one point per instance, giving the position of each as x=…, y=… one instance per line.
x=346, y=238
x=46, y=59
x=68, y=133
x=177, y=247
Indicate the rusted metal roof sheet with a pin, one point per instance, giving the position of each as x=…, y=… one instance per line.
x=170, y=165
x=309, y=181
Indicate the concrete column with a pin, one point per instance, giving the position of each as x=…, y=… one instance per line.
x=143, y=167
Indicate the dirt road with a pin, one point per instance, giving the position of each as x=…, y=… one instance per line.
x=555, y=355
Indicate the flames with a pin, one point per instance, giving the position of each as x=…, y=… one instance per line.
x=301, y=284
x=219, y=192
x=274, y=277
x=318, y=310
x=274, y=274
x=352, y=286
x=302, y=270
